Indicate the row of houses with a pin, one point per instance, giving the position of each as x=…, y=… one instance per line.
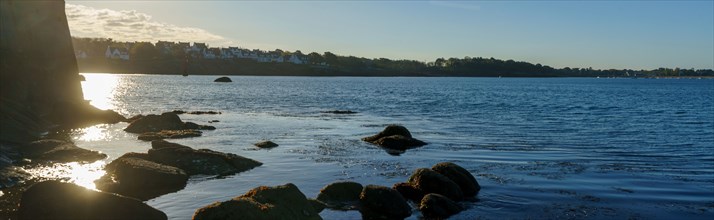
x=202, y=51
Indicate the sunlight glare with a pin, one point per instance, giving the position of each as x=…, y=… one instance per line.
x=99, y=89
x=82, y=174
x=93, y=133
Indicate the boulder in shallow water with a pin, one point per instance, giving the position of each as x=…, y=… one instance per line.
x=380, y=202
x=202, y=161
x=223, y=79
x=156, y=123
x=59, y=151
x=430, y=181
x=169, y=134
x=341, y=195
x=266, y=144
x=436, y=206
x=394, y=137
x=57, y=200
x=462, y=177
x=134, y=176
x=279, y=202
x=409, y=192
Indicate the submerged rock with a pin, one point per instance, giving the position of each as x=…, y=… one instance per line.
x=279, y=202
x=266, y=144
x=467, y=182
x=59, y=151
x=202, y=161
x=57, y=200
x=169, y=134
x=135, y=176
x=438, y=207
x=395, y=137
x=223, y=79
x=341, y=195
x=430, y=181
x=379, y=202
x=340, y=112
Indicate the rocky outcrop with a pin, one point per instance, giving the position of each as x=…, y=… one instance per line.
x=341, y=195
x=379, y=202
x=409, y=192
x=135, y=176
x=223, y=79
x=436, y=206
x=202, y=161
x=430, y=181
x=279, y=202
x=395, y=137
x=169, y=134
x=59, y=151
x=266, y=144
x=462, y=177
x=56, y=200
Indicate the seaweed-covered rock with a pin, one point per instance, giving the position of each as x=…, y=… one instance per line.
x=341, y=195
x=395, y=137
x=467, y=182
x=135, y=176
x=380, y=202
x=59, y=151
x=169, y=134
x=57, y=200
x=202, y=161
x=430, y=181
x=279, y=202
x=409, y=192
x=438, y=207
x=223, y=79
x=266, y=144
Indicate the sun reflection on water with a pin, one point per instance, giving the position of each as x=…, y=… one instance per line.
x=82, y=174
x=99, y=89
x=94, y=133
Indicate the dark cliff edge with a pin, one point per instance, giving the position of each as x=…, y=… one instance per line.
x=39, y=78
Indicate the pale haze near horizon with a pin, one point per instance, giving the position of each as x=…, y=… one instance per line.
x=597, y=34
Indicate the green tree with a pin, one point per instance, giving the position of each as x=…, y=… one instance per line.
x=143, y=51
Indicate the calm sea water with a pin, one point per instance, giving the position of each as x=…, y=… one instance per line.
x=540, y=148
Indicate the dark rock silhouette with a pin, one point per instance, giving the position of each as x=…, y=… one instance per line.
x=317, y=205
x=467, y=182
x=395, y=137
x=223, y=79
x=340, y=112
x=202, y=161
x=279, y=202
x=430, y=181
x=135, y=176
x=379, y=202
x=165, y=126
x=59, y=151
x=39, y=80
x=436, y=206
x=266, y=144
x=57, y=200
x=341, y=195
x=196, y=112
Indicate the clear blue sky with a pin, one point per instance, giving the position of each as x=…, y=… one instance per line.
x=598, y=34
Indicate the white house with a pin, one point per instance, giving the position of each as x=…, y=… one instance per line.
x=117, y=53
x=80, y=54
x=295, y=59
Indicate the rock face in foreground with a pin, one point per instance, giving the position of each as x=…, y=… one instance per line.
x=223, y=79
x=280, y=202
x=395, y=137
x=132, y=175
x=379, y=202
x=202, y=161
x=59, y=151
x=341, y=195
x=56, y=200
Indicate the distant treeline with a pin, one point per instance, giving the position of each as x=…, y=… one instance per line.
x=162, y=58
